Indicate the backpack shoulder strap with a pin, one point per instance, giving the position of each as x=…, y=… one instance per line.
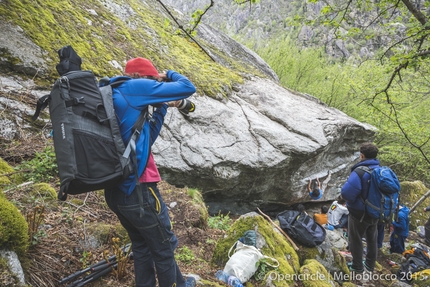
x=131, y=145
x=362, y=169
x=42, y=103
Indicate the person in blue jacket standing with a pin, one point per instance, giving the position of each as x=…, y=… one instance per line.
x=144, y=214
x=400, y=231
x=360, y=224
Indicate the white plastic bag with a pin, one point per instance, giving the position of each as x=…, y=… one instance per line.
x=243, y=263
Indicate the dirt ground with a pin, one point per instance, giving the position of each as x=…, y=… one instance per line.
x=60, y=249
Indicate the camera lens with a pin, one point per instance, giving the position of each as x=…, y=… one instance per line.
x=186, y=106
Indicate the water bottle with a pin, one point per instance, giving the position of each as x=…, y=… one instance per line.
x=229, y=279
x=234, y=282
x=222, y=276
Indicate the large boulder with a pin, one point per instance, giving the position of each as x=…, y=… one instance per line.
x=259, y=147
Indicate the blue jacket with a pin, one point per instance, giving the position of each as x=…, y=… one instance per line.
x=401, y=226
x=133, y=96
x=311, y=194
x=356, y=187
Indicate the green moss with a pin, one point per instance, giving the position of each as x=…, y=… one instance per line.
x=340, y=261
x=276, y=246
x=378, y=266
x=198, y=200
x=5, y=169
x=208, y=283
x=4, y=54
x=121, y=233
x=308, y=253
x=54, y=24
x=13, y=228
x=313, y=274
x=410, y=193
x=43, y=190
x=100, y=231
x=76, y=201
x=421, y=279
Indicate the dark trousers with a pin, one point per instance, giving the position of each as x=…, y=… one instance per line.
x=343, y=222
x=153, y=241
x=356, y=231
x=427, y=231
x=397, y=243
x=380, y=234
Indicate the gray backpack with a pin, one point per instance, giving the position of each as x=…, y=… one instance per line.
x=90, y=152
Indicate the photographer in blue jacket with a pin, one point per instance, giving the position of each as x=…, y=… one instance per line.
x=142, y=211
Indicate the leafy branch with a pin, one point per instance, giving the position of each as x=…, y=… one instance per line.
x=198, y=15
x=184, y=30
x=416, y=36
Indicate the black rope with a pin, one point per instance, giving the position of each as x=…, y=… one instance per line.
x=182, y=28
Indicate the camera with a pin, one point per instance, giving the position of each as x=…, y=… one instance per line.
x=186, y=106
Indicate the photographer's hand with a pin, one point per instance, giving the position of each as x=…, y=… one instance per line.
x=163, y=76
x=174, y=104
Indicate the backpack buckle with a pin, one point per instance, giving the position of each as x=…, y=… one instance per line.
x=77, y=101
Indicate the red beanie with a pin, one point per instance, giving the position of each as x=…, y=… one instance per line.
x=141, y=66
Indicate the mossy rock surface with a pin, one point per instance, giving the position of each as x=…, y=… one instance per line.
x=5, y=168
x=105, y=34
x=410, y=193
x=276, y=247
x=313, y=274
x=421, y=279
x=13, y=228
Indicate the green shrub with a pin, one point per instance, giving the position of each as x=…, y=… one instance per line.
x=42, y=168
x=185, y=255
x=220, y=221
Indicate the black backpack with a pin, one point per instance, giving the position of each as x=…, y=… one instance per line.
x=415, y=262
x=90, y=152
x=302, y=228
x=69, y=60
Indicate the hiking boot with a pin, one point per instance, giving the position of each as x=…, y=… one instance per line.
x=349, y=264
x=367, y=266
x=190, y=282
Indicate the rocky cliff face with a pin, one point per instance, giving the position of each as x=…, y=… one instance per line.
x=256, y=146
x=267, y=20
